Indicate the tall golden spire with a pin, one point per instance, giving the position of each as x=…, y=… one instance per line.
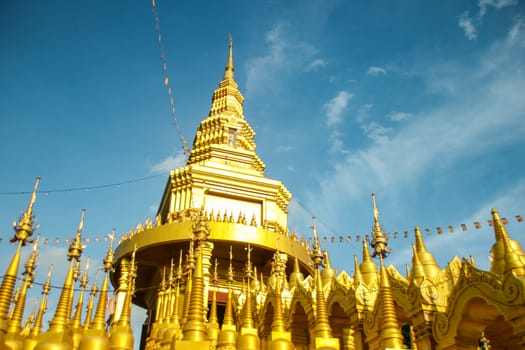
x=195, y=329
x=227, y=338
x=280, y=339
x=59, y=332
x=426, y=258
x=390, y=331
x=322, y=331
x=121, y=333
x=76, y=322
x=296, y=277
x=91, y=302
x=379, y=241
x=358, y=278
x=418, y=271
x=190, y=261
x=328, y=272
x=13, y=338
x=229, y=70
x=507, y=255
x=248, y=338
x=368, y=267
x=175, y=332
x=61, y=319
x=95, y=336
x=37, y=327
x=23, y=231
x=213, y=328
x=322, y=326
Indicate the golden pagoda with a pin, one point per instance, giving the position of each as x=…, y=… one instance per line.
x=218, y=269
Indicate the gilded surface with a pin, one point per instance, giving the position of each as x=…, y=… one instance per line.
x=274, y=291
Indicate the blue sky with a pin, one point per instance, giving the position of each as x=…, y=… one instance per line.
x=420, y=102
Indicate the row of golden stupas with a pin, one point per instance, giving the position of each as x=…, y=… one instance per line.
x=209, y=280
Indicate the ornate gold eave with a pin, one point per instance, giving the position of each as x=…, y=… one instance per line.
x=163, y=242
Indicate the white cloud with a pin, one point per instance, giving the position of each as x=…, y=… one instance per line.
x=336, y=107
x=284, y=149
x=467, y=24
x=375, y=71
x=486, y=113
x=515, y=35
x=316, y=64
x=376, y=132
x=284, y=53
x=498, y=4
x=470, y=24
x=398, y=116
x=169, y=163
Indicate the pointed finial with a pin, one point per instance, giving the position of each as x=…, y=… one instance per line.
x=76, y=247
x=376, y=211
x=316, y=254
x=418, y=273
x=379, y=241
x=24, y=228
x=358, y=278
x=108, y=260
x=229, y=70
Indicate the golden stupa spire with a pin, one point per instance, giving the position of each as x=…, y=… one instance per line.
x=507, y=255
x=195, y=328
x=13, y=338
x=121, y=333
x=229, y=70
x=95, y=336
x=427, y=259
x=379, y=241
x=328, y=272
x=15, y=322
x=227, y=338
x=23, y=231
x=60, y=320
x=390, y=331
x=279, y=338
x=98, y=325
x=418, y=272
x=175, y=332
x=358, y=278
x=76, y=322
x=322, y=326
x=368, y=267
x=190, y=261
x=91, y=303
x=26, y=330
x=248, y=338
x=322, y=331
x=37, y=327
x=213, y=328
x=296, y=277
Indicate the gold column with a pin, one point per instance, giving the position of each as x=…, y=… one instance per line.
x=23, y=232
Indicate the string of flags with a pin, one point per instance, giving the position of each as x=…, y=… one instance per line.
x=164, y=61
x=325, y=239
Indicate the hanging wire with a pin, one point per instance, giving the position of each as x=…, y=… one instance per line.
x=86, y=188
x=167, y=82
